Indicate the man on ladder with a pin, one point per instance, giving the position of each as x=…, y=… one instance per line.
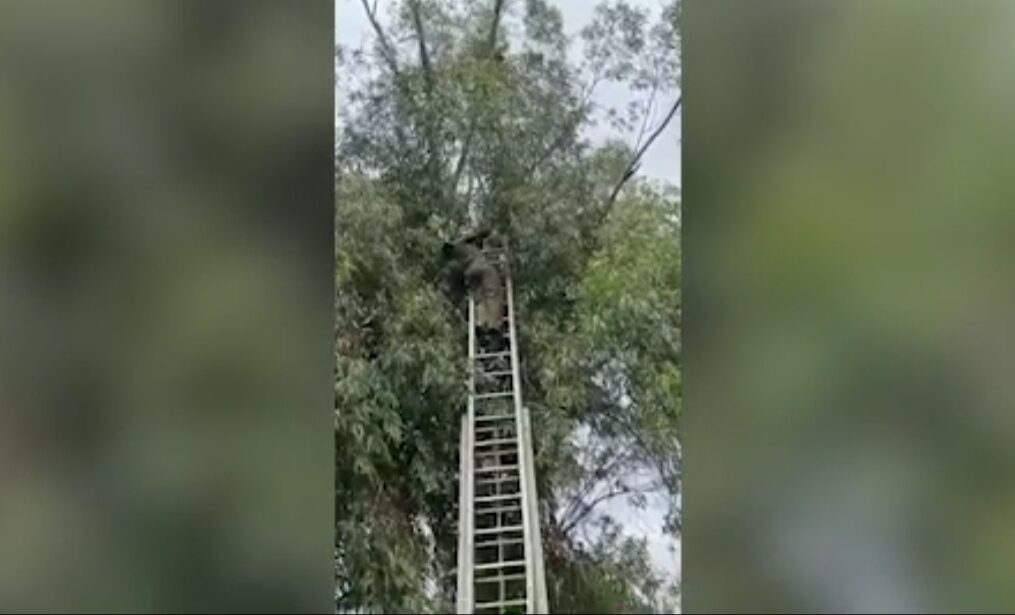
x=500, y=563
x=483, y=281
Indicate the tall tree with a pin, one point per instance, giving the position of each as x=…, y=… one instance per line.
x=463, y=112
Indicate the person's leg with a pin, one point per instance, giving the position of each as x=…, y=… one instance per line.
x=498, y=341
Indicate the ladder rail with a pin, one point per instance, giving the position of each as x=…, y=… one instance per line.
x=508, y=486
x=535, y=580
x=466, y=518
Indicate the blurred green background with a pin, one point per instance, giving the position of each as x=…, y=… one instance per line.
x=166, y=176
x=849, y=197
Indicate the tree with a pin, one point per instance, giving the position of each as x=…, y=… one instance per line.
x=466, y=112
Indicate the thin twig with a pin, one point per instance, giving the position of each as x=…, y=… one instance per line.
x=387, y=51
x=632, y=165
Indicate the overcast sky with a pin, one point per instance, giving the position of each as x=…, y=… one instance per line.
x=662, y=161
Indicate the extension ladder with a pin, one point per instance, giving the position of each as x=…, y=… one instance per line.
x=500, y=555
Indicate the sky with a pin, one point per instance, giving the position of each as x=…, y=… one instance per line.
x=662, y=161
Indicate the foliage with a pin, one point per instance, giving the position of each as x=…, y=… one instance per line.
x=460, y=112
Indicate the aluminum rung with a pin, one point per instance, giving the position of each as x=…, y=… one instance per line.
x=511, y=437
x=501, y=544
x=500, y=578
x=497, y=442
x=497, y=498
x=504, y=542
x=494, y=417
x=495, y=453
x=494, y=469
x=497, y=374
x=501, y=604
x=497, y=530
x=482, y=397
x=493, y=432
x=498, y=511
x=488, y=355
x=492, y=456
x=495, y=480
x=496, y=395
x=503, y=467
x=495, y=565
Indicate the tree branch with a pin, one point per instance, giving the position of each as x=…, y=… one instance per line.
x=586, y=509
x=649, y=108
x=632, y=165
x=386, y=50
x=430, y=122
x=491, y=41
x=491, y=38
x=577, y=500
x=599, y=474
x=460, y=165
x=621, y=490
x=424, y=56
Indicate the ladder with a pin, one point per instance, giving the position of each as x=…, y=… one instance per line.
x=500, y=554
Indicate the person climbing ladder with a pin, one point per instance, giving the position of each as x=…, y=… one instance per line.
x=484, y=282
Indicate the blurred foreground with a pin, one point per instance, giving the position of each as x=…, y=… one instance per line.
x=165, y=306
x=850, y=232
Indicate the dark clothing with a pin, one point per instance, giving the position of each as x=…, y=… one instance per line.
x=482, y=279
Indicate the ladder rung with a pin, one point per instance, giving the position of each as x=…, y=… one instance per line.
x=480, y=400
x=495, y=565
x=499, y=510
x=498, y=498
x=501, y=577
x=493, y=395
x=509, y=464
x=493, y=430
x=496, y=395
x=495, y=453
x=494, y=417
x=501, y=604
x=495, y=479
x=497, y=374
x=503, y=542
x=486, y=443
x=488, y=355
x=493, y=469
x=497, y=530
x=499, y=544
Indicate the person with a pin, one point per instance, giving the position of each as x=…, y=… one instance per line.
x=483, y=281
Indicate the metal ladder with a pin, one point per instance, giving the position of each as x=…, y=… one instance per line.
x=500, y=554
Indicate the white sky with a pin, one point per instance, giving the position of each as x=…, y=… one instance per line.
x=662, y=161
